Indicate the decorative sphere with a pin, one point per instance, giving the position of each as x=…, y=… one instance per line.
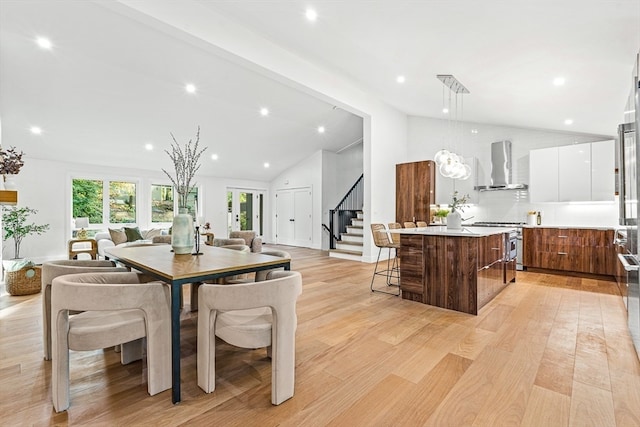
x=441, y=156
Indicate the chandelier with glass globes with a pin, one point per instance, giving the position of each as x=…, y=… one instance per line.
x=450, y=164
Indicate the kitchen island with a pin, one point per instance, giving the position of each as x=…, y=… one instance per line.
x=458, y=270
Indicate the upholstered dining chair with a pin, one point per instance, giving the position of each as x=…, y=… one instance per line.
x=409, y=224
x=421, y=224
x=115, y=308
x=53, y=269
x=262, y=275
x=194, y=286
x=382, y=240
x=251, y=315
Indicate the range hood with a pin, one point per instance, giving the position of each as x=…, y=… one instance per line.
x=501, y=169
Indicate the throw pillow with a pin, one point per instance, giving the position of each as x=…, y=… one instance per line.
x=150, y=234
x=118, y=236
x=133, y=234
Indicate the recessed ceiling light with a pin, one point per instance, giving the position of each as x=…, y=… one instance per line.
x=401, y=79
x=558, y=81
x=214, y=157
x=445, y=110
x=474, y=130
x=266, y=165
x=321, y=129
x=190, y=88
x=568, y=121
x=311, y=15
x=264, y=111
x=148, y=147
x=44, y=43
x=36, y=130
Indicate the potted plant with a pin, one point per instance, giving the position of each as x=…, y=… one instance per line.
x=441, y=215
x=21, y=277
x=15, y=226
x=454, y=219
x=186, y=163
x=10, y=164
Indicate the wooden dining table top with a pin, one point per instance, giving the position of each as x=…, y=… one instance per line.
x=162, y=262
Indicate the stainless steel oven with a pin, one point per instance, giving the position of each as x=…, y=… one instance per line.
x=510, y=256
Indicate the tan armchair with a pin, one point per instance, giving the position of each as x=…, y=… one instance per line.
x=250, y=237
x=251, y=315
x=116, y=308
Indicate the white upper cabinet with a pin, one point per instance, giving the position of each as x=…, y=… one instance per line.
x=573, y=173
x=543, y=171
x=603, y=163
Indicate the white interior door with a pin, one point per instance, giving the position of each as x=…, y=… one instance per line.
x=294, y=224
x=245, y=210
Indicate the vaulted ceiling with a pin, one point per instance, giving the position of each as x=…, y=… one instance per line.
x=111, y=85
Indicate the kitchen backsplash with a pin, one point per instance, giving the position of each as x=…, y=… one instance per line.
x=513, y=206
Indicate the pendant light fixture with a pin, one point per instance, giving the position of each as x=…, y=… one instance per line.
x=450, y=164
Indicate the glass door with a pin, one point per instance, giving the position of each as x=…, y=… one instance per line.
x=245, y=210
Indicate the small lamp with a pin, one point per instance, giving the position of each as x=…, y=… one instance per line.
x=82, y=223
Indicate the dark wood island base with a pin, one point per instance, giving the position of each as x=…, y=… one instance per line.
x=453, y=271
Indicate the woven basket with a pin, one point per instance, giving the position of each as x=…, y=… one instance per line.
x=25, y=281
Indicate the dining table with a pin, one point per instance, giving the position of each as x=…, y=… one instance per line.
x=159, y=261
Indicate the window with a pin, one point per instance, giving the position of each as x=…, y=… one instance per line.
x=192, y=202
x=122, y=202
x=161, y=203
x=89, y=201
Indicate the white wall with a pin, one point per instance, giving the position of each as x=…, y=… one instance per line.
x=46, y=186
x=426, y=136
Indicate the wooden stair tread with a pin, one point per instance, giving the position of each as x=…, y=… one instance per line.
x=343, y=242
x=344, y=251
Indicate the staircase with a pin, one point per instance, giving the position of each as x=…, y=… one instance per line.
x=350, y=244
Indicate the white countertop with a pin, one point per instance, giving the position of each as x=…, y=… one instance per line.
x=587, y=227
x=444, y=231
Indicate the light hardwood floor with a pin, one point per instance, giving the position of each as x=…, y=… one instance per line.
x=548, y=351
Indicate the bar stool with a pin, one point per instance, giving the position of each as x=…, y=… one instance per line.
x=382, y=240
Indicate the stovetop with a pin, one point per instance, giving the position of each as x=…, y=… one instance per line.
x=497, y=224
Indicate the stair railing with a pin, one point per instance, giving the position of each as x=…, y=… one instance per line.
x=345, y=211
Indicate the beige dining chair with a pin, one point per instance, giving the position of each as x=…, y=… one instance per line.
x=251, y=315
x=224, y=280
x=409, y=224
x=115, y=308
x=421, y=224
x=53, y=269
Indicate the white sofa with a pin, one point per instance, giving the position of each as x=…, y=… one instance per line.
x=104, y=239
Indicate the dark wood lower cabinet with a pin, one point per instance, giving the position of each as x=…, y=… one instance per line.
x=453, y=272
x=578, y=250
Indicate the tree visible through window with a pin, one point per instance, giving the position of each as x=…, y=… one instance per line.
x=161, y=203
x=122, y=202
x=87, y=199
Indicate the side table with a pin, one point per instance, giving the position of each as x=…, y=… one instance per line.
x=83, y=249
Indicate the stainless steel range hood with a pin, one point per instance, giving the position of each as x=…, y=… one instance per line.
x=501, y=169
